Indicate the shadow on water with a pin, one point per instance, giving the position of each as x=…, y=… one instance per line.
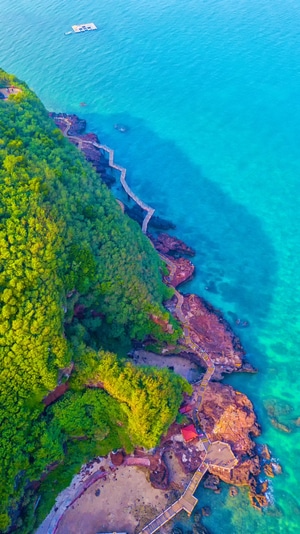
x=235, y=261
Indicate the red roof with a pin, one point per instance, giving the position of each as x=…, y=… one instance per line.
x=189, y=432
x=185, y=409
x=55, y=394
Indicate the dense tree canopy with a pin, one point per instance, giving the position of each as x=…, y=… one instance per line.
x=66, y=246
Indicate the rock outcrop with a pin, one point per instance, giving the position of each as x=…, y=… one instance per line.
x=168, y=244
x=213, y=334
x=75, y=129
x=225, y=415
x=117, y=458
x=183, y=273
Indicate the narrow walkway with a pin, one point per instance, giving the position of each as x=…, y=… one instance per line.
x=213, y=451
x=109, y=154
x=186, y=502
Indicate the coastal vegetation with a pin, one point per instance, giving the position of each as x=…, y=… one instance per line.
x=78, y=279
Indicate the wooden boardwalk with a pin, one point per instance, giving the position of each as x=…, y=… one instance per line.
x=109, y=155
x=216, y=453
x=186, y=502
x=125, y=185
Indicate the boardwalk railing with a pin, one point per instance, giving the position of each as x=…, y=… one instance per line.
x=127, y=189
x=187, y=501
x=107, y=151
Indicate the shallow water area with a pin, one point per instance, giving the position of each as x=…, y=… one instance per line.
x=209, y=91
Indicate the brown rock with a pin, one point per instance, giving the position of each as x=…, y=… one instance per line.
x=233, y=491
x=166, y=326
x=258, y=501
x=280, y=426
x=200, y=529
x=91, y=137
x=268, y=469
x=84, y=142
x=276, y=408
x=265, y=452
x=263, y=488
x=247, y=368
x=56, y=394
x=77, y=127
x=213, y=333
x=211, y=482
x=167, y=244
x=160, y=477
x=272, y=469
x=184, y=272
x=137, y=214
x=206, y=511
x=117, y=458
x=227, y=415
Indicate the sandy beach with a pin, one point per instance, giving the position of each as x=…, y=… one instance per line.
x=126, y=501
x=123, y=499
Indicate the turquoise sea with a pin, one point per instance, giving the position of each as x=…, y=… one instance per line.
x=210, y=91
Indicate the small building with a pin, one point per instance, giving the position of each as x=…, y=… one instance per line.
x=189, y=433
x=185, y=409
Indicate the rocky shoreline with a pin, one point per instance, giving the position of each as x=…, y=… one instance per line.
x=225, y=414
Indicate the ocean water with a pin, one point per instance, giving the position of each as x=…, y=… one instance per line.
x=210, y=91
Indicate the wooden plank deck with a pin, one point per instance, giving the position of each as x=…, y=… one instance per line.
x=186, y=502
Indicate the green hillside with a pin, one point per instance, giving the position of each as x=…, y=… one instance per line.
x=65, y=245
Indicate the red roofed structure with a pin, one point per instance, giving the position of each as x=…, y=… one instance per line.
x=55, y=394
x=189, y=432
x=185, y=409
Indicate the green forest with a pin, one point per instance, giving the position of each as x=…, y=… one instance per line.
x=67, y=246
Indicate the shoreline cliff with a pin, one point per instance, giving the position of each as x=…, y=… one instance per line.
x=225, y=415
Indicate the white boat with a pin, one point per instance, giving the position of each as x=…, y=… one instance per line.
x=79, y=28
x=84, y=27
